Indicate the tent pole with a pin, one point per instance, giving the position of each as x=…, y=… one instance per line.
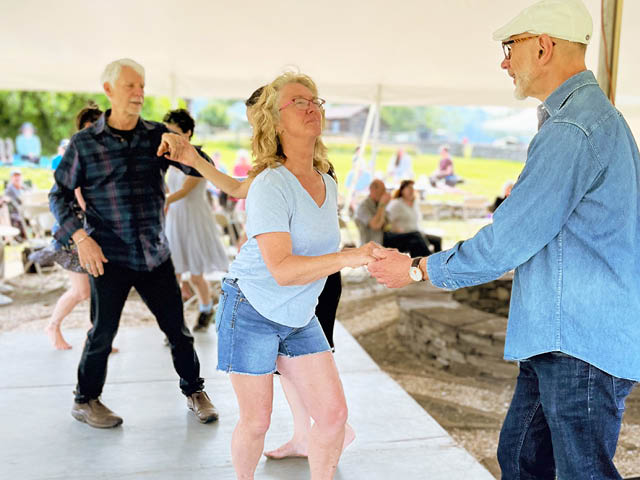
x=358, y=165
x=375, y=139
x=608, y=61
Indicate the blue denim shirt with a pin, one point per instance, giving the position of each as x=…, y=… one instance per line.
x=571, y=230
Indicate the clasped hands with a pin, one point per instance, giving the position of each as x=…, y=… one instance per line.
x=387, y=265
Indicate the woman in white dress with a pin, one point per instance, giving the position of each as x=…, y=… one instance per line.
x=190, y=227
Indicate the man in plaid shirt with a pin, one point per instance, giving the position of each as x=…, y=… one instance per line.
x=121, y=243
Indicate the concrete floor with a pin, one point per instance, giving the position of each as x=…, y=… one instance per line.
x=160, y=439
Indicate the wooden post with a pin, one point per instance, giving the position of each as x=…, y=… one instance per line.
x=608, y=60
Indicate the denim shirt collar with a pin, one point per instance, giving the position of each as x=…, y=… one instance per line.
x=559, y=96
x=101, y=124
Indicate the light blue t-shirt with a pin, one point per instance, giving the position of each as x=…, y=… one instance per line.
x=277, y=202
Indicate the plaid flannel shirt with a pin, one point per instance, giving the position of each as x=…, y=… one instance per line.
x=123, y=186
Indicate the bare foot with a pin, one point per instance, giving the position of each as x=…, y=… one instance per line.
x=349, y=436
x=56, y=338
x=289, y=449
x=186, y=291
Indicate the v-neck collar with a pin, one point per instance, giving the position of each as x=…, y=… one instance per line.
x=305, y=190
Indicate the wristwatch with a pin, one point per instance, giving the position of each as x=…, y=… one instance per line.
x=414, y=272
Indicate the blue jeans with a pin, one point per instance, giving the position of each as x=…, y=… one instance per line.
x=564, y=420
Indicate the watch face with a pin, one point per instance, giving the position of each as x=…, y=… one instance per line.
x=416, y=274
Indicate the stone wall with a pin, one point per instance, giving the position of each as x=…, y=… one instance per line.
x=492, y=297
x=463, y=331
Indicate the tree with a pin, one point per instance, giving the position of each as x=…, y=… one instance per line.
x=53, y=113
x=400, y=119
x=215, y=114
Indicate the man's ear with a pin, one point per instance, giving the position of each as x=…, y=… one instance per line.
x=545, y=48
x=107, y=89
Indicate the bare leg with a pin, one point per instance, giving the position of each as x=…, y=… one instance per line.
x=202, y=288
x=255, y=399
x=316, y=380
x=297, y=446
x=78, y=292
x=185, y=288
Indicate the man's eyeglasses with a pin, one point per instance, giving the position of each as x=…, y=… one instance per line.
x=506, y=46
x=304, y=104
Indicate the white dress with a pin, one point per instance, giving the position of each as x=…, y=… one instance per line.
x=191, y=230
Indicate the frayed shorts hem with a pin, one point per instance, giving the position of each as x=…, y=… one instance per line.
x=230, y=371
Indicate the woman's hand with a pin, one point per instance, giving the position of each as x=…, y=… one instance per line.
x=177, y=148
x=357, y=257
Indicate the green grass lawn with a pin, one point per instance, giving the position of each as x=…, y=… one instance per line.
x=483, y=176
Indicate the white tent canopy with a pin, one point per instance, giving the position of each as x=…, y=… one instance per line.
x=405, y=52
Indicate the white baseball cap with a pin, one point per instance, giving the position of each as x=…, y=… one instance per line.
x=566, y=19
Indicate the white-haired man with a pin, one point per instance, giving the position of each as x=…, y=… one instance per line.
x=570, y=229
x=121, y=243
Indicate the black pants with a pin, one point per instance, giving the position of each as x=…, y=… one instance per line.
x=435, y=242
x=412, y=243
x=160, y=292
x=328, y=305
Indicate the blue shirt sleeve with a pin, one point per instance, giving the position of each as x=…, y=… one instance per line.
x=267, y=206
x=561, y=167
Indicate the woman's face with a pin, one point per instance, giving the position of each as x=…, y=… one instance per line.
x=295, y=122
x=408, y=193
x=177, y=129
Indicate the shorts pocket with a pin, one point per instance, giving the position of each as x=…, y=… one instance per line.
x=222, y=302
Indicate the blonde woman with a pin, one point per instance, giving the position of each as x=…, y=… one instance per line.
x=266, y=320
x=326, y=310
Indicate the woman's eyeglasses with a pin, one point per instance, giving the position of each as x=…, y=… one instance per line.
x=304, y=103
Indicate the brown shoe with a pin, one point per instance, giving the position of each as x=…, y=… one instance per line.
x=202, y=407
x=204, y=319
x=95, y=414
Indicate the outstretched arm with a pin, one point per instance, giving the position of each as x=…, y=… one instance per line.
x=289, y=269
x=176, y=148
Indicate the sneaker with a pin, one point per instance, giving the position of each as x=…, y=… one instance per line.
x=4, y=300
x=95, y=414
x=204, y=319
x=200, y=404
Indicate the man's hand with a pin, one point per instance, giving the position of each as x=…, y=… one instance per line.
x=90, y=255
x=391, y=269
x=385, y=199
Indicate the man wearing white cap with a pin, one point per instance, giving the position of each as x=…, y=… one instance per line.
x=571, y=231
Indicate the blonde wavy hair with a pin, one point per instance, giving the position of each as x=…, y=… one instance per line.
x=265, y=143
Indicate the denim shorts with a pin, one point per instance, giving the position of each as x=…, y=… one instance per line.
x=249, y=343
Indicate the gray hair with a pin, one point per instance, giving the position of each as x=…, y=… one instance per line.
x=112, y=71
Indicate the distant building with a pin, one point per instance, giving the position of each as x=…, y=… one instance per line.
x=345, y=119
